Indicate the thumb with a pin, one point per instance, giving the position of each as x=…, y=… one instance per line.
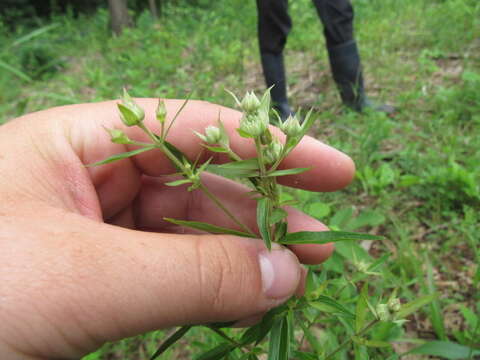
x=192, y=279
x=106, y=282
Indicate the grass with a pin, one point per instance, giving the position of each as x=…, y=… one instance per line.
x=417, y=173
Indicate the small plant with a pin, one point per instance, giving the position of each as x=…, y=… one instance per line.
x=280, y=325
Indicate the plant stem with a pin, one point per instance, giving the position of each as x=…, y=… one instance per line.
x=233, y=155
x=227, y=212
x=261, y=161
x=348, y=341
x=225, y=336
x=186, y=171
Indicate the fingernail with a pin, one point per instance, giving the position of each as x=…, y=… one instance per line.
x=280, y=273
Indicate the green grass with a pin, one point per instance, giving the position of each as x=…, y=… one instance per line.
x=417, y=173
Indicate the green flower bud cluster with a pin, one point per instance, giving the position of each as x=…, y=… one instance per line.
x=130, y=113
x=273, y=151
x=213, y=135
x=250, y=103
x=383, y=312
x=394, y=304
x=291, y=127
x=255, y=120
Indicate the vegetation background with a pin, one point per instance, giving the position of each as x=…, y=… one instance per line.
x=417, y=173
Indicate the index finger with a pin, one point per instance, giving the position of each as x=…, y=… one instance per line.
x=330, y=168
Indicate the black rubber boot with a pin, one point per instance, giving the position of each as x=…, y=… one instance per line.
x=274, y=72
x=347, y=73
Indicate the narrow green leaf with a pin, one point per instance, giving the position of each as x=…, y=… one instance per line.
x=217, y=353
x=361, y=308
x=216, y=149
x=377, y=263
x=280, y=335
x=170, y=341
x=178, y=182
x=370, y=343
x=122, y=156
x=175, y=151
x=414, y=305
x=333, y=304
x=277, y=215
x=34, y=33
x=259, y=331
x=444, y=349
x=244, y=134
x=377, y=343
x=436, y=316
x=280, y=230
x=249, y=164
x=300, y=355
x=219, y=325
x=287, y=172
x=263, y=215
x=207, y=227
x=230, y=172
x=323, y=237
x=180, y=109
x=15, y=71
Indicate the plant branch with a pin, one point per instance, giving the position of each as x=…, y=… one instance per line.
x=217, y=201
x=348, y=341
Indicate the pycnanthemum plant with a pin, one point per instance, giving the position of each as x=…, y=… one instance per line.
x=299, y=315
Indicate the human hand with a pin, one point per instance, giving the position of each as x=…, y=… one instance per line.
x=86, y=255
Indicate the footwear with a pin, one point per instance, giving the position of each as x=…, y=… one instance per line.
x=347, y=73
x=274, y=72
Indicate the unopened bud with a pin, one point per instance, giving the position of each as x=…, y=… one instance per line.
x=250, y=103
x=213, y=135
x=291, y=127
x=273, y=152
x=362, y=266
x=383, y=312
x=130, y=113
x=251, y=125
x=161, y=112
x=394, y=304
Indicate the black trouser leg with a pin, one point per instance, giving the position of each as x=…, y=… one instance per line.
x=274, y=24
x=337, y=19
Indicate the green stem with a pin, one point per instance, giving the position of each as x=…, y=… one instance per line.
x=225, y=210
x=348, y=341
x=186, y=171
x=225, y=336
x=261, y=161
x=232, y=154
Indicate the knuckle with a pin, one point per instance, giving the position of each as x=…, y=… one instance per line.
x=224, y=277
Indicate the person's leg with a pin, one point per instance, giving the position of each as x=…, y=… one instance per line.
x=274, y=24
x=337, y=19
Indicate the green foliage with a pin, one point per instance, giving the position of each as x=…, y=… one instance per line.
x=417, y=174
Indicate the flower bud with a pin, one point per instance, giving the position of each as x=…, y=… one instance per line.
x=252, y=125
x=291, y=127
x=130, y=113
x=161, y=112
x=273, y=152
x=213, y=135
x=394, y=304
x=383, y=312
x=250, y=103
